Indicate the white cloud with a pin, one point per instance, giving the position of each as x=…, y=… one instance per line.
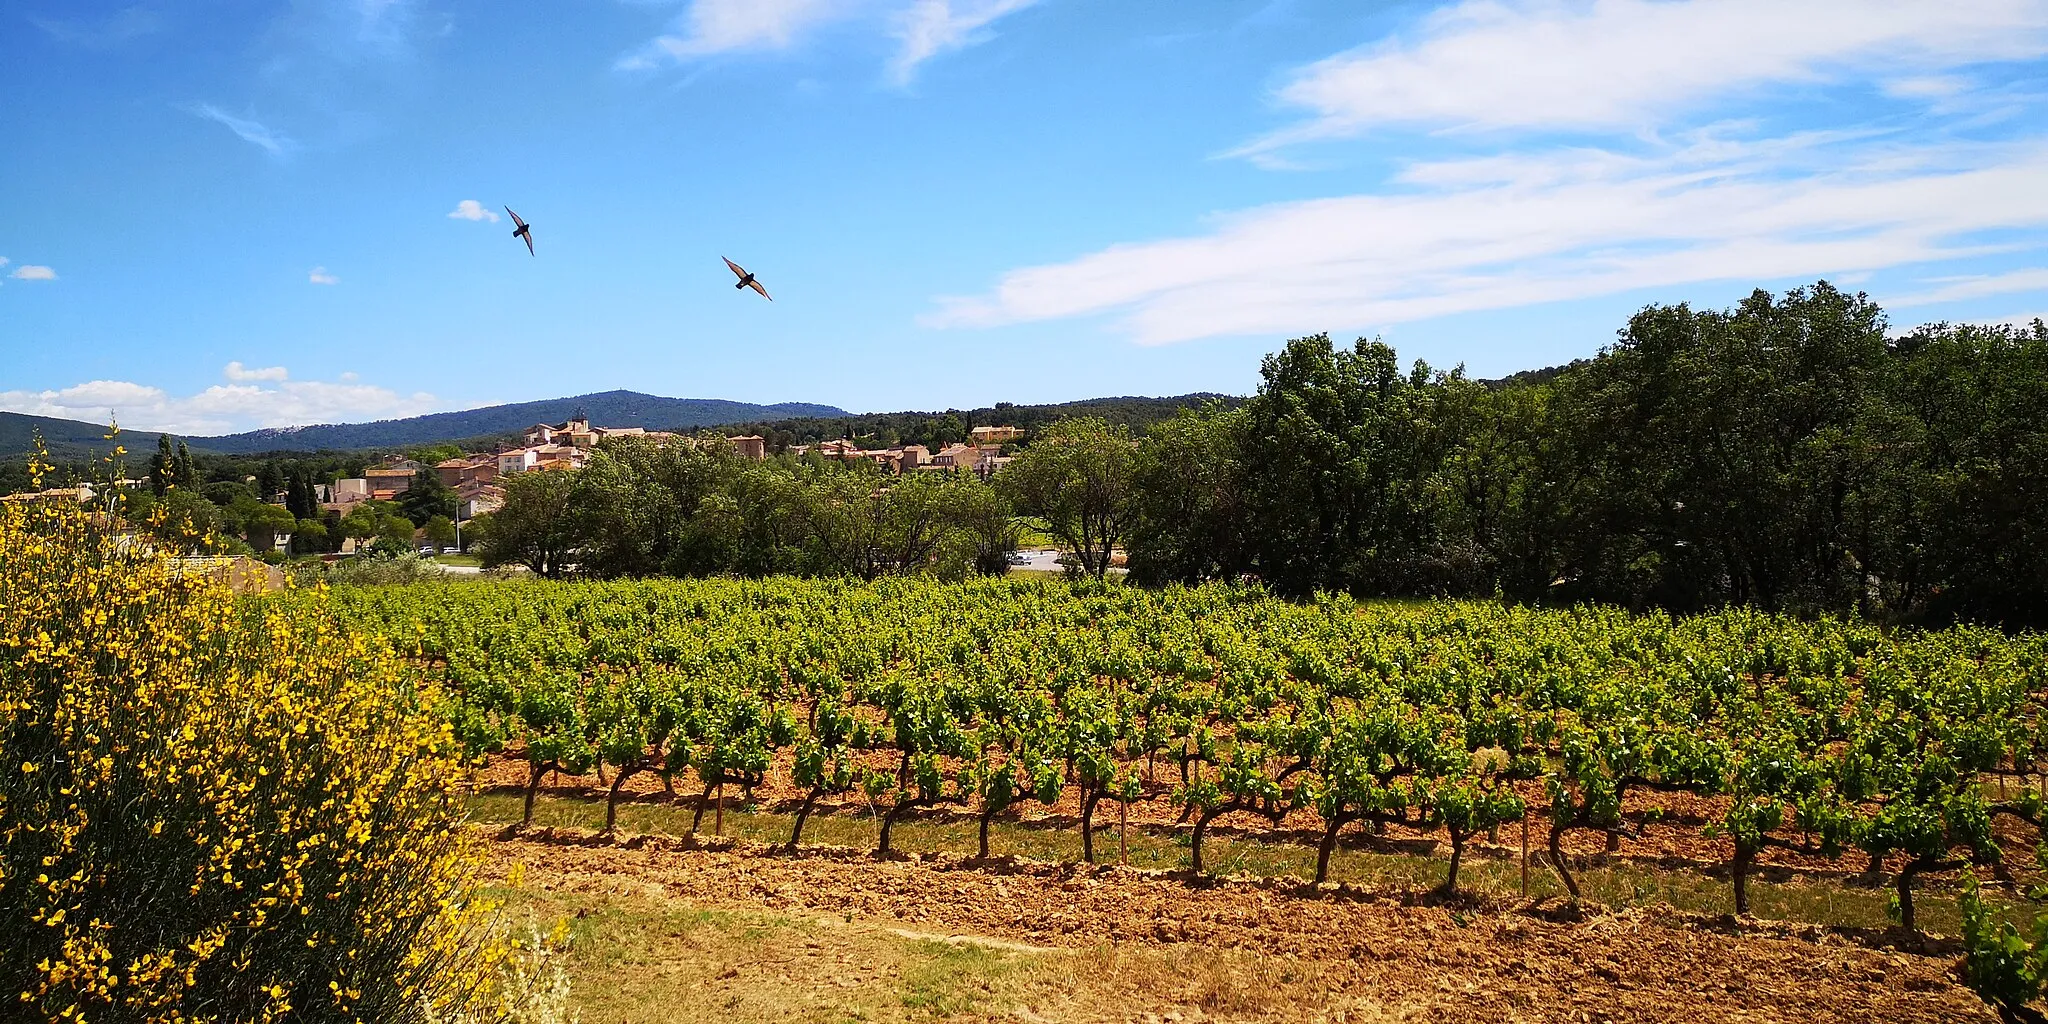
x=252, y=132
x=928, y=28
x=222, y=408
x=235, y=371
x=721, y=26
x=105, y=33
x=1951, y=289
x=1927, y=87
x=1517, y=229
x=923, y=28
x=1626, y=64
x=470, y=209
x=31, y=272
x=319, y=275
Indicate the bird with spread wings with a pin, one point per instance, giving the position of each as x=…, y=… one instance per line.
x=747, y=279
x=523, y=232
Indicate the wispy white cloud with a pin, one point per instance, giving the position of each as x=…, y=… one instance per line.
x=277, y=144
x=1662, y=202
x=1627, y=64
x=1518, y=229
x=722, y=26
x=382, y=25
x=235, y=371
x=928, y=28
x=1976, y=286
x=319, y=275
x=31, y=272
x=923, y=28
x=470, y=209
x=123, y=25
x=222, y=408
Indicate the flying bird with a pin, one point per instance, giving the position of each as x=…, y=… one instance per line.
x=747, y=280
x=523, y=232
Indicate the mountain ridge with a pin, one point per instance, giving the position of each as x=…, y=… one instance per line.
x=615, y=408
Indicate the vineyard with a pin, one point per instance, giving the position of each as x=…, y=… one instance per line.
x=1789, y=741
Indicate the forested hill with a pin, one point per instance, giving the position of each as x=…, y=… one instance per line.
x=608, y=408
x=785, y=424
x=67, y=440
x=935, y=429
x=70, y=439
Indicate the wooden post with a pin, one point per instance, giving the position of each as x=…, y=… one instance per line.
x=718, y=815
x=1123, y=832
x=1525, y=854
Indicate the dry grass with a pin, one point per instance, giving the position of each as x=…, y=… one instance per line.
x=643, y=957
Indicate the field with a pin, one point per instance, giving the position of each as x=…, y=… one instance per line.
x=669, y=929
x=1722, y=791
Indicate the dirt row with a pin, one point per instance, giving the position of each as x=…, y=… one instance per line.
x=1371, y=956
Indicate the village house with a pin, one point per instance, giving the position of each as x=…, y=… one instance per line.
x=995, y=435
x=81, y=494
x=980, y=459
x=578, y=433
x=393, y=478
x=343, y=493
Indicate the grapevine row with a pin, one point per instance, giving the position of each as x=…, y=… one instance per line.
x=1822, y=737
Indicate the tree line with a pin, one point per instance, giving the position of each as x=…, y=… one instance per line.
x=223, y=505
x=646, y=508
x=1788, y=453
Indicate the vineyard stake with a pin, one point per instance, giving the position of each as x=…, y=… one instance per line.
x=1525, y=854
x=1123, y=832
x=718, y=815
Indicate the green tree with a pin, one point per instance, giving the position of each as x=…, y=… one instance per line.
x=636, y=500
x=1711, y=462
x=183, y=519
x=441, y=532
x=187, y=476
x=299, y=496
x=260, y=523
x=269, y=479
x=427, y=497
x=983, y=530
x=1338, y=447
x=755, y=527
x=1188, y=499
x=362, y=523
x=310, y=535
x=395, y=535
x=163, y=467
x=1077, y=476
x=538, y=526
x=225, y=493
x=863, y=524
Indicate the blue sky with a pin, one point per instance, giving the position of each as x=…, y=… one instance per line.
x=222, y=214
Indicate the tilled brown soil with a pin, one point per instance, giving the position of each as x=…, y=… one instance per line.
x=1374, y=956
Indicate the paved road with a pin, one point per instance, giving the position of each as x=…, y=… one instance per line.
x=1046, y=560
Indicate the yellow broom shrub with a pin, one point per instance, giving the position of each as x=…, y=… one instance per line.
x=216, y=809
